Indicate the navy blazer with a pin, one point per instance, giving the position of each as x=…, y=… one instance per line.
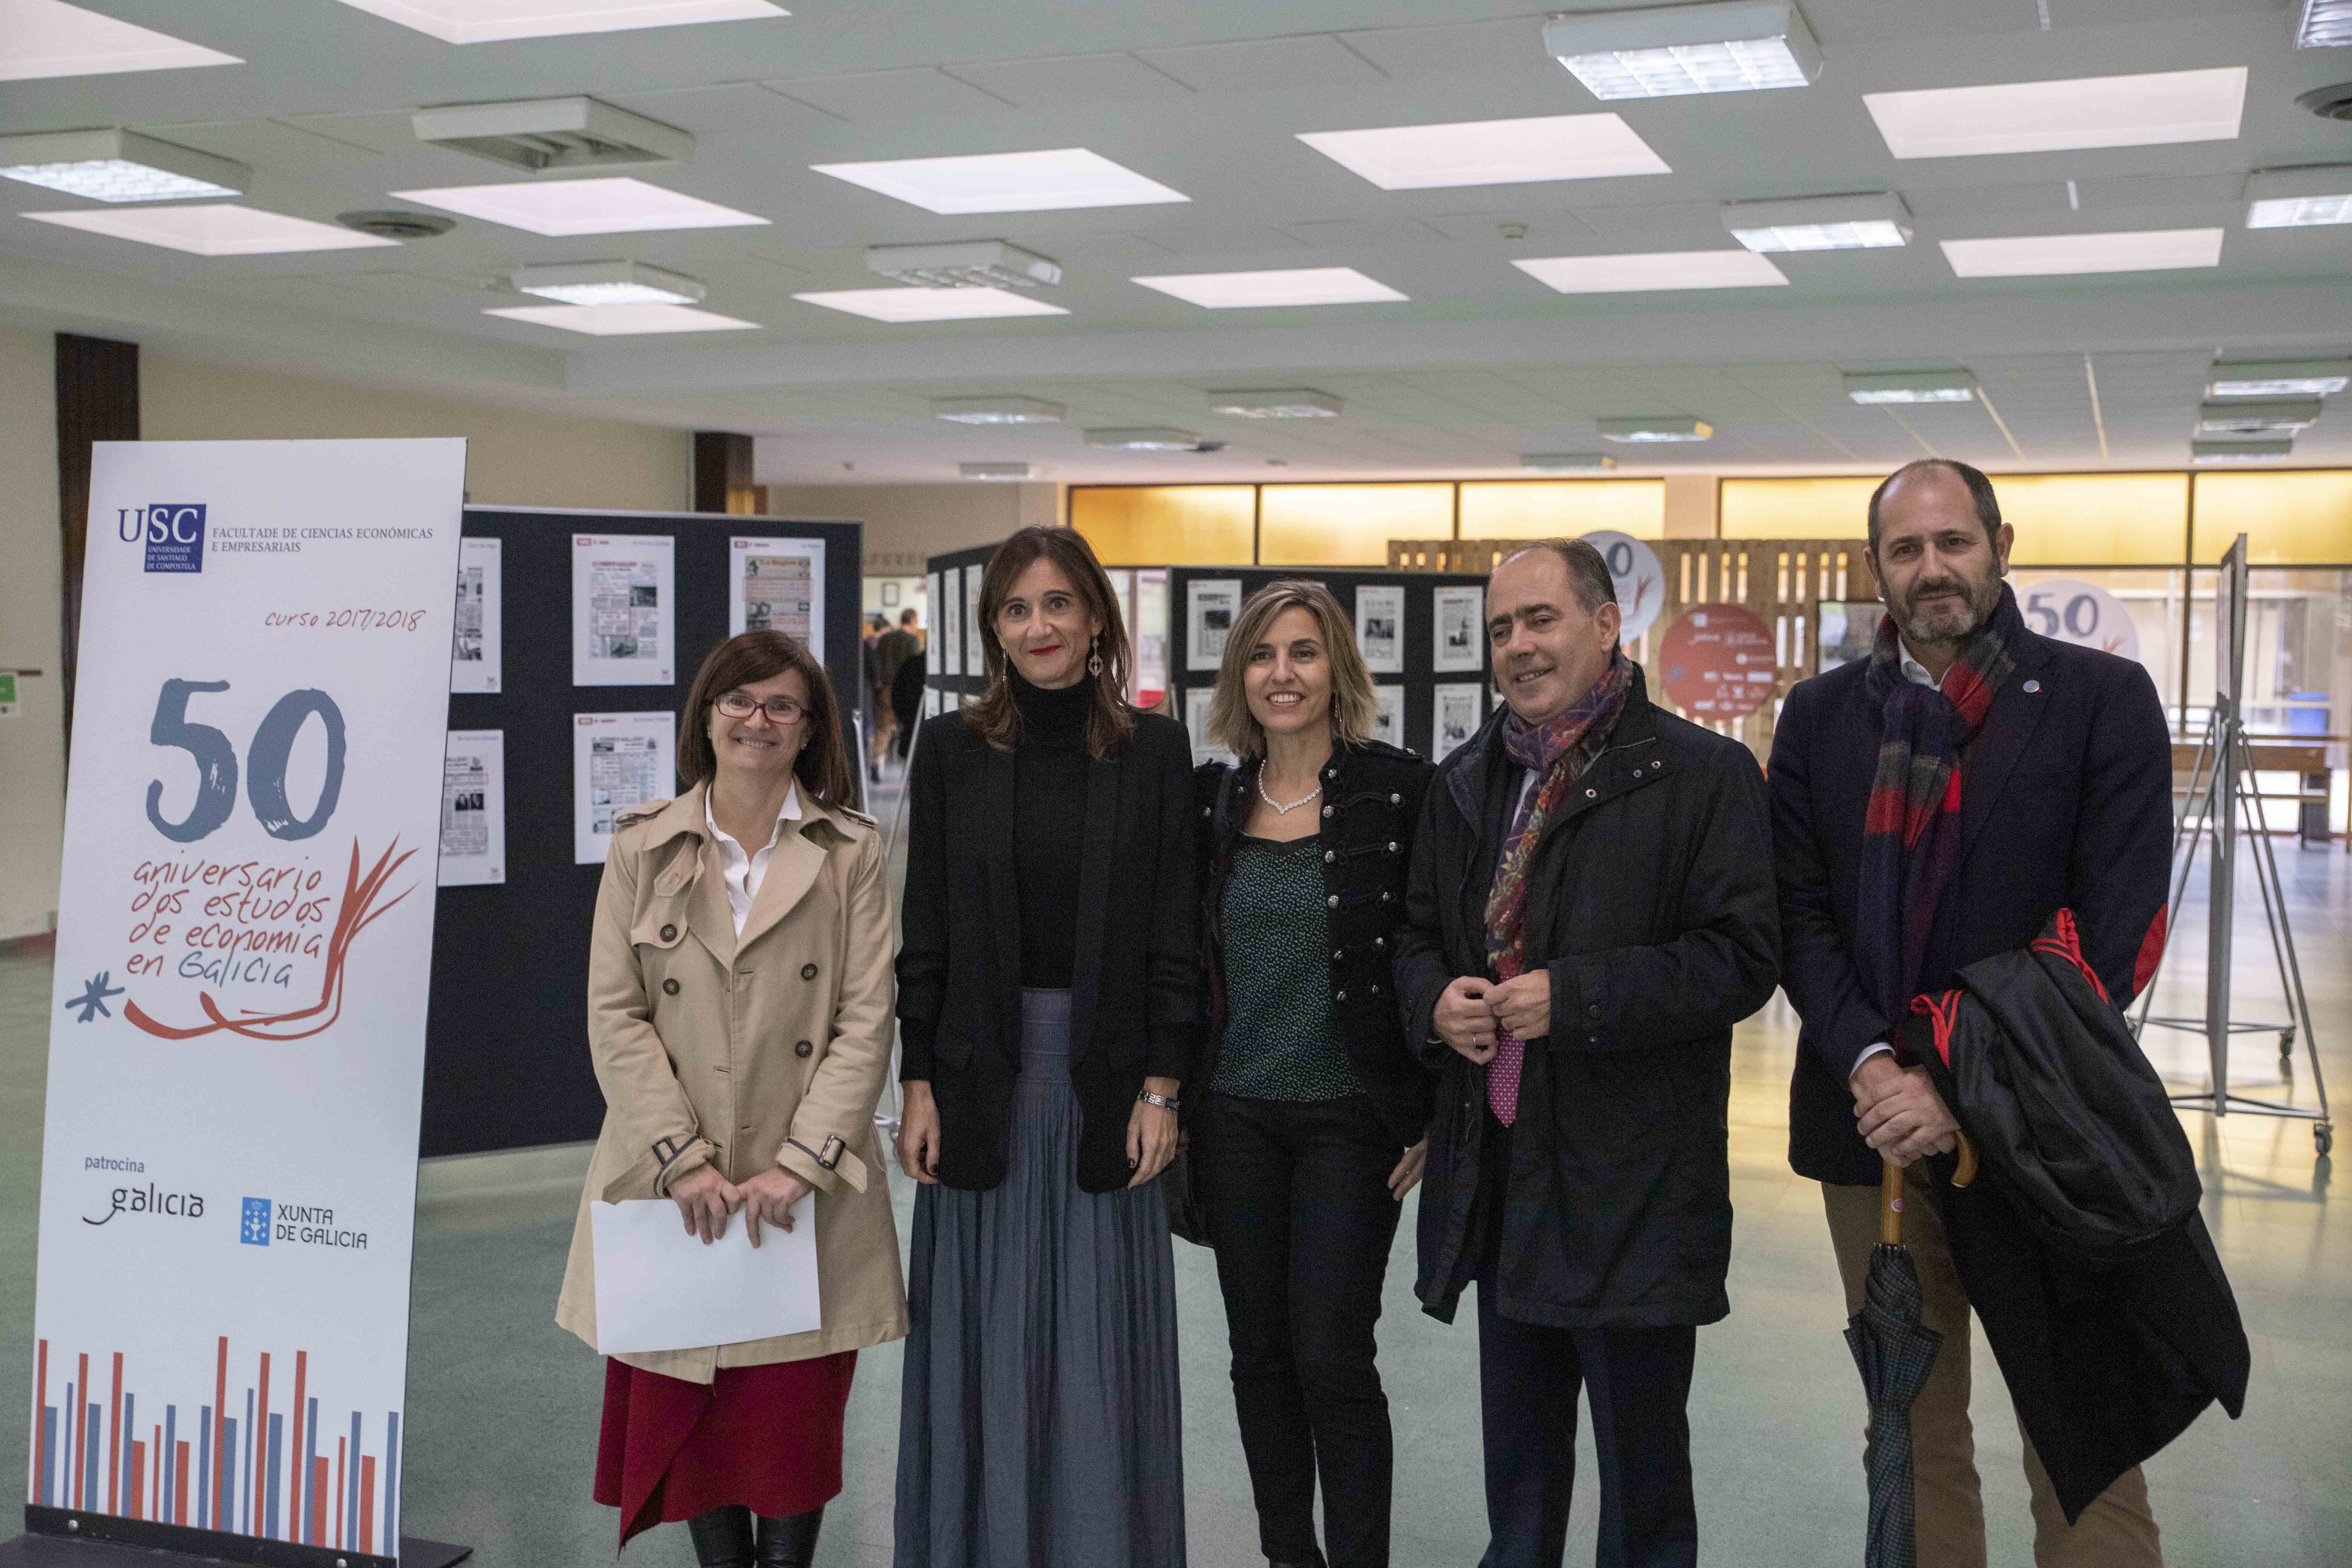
x=2065, y=802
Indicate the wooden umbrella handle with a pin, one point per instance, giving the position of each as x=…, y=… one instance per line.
x=1890, y=1189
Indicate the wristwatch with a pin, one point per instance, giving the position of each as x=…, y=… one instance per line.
x=1164, y=1103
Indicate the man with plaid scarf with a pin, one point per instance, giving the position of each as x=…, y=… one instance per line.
x=1933, y=804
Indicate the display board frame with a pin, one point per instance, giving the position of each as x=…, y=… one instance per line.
x=506, y=1055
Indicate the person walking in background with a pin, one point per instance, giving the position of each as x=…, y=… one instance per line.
x=1315, y=1123
x=739, y=1016
x=880, y=720
x=893, y=650
x=1590, y=911
x=1049, y=1008
x=1888, y=778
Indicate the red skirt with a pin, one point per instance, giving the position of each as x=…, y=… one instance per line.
x=767, y=1438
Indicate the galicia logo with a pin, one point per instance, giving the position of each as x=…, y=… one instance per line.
x=253, y=1227
x=149, y=1200
x=173, y=532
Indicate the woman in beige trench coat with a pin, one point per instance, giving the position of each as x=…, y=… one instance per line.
x=739, y=1004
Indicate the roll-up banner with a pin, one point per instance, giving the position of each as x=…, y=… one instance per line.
x=236, y=1043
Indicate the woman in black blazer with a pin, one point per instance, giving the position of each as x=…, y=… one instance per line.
x=1310, y=1116
x=1048, y=999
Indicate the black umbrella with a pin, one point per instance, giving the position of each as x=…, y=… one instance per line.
x=1895, y=1354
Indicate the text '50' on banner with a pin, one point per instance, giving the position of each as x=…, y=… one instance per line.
x=244, y=941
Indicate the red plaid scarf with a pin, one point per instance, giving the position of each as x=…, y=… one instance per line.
x=1911, y=829
x=1556, y=751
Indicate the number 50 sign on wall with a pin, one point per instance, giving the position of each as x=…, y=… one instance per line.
x=237, y=1029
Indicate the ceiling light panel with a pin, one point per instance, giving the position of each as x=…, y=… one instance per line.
x=997, y=471
x=2299, y=199
x=621, y=320
x=2279, y=378
x=115, y=165
x=1143, y=438
x=998, y=410
x=1654, y=271
x=2204, y=452
x=617, y=205
x=213, y=229
x=1670, y=51
x=540, y=133
x=971, y=264
x=1490, y=152
x=898, y=306
x=1055, y=179
x=2324, y=25
x=608, y=283
x=1912, y=386
x=489, y=21
x=2050, y=255
x=2257, y=415
x=2057, y=116
x=1655, y=430
x=1568, y=462
x=1277, y=403
x=49, y=38
x=1291, y=286
x=1874, y=221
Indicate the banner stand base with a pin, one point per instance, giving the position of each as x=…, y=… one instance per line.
x=53, y=1541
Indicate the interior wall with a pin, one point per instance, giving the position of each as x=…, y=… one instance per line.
x=513, y=457
x=907, y=523
x=32, y=740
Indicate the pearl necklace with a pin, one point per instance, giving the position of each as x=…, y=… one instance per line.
x=1280, y=809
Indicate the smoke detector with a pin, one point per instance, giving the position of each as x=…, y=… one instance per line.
x=540, y=134
x=2328, y=102
x=392, y=223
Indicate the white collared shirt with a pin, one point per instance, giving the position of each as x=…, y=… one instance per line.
x=746, y=872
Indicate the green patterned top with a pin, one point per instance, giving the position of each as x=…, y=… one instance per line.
x=1282, y=1040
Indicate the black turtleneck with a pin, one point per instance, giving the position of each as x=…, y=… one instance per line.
x=1049, y=781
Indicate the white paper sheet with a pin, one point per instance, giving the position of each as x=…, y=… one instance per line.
x=1196, y=724
x=974, y=661
x=777, y=584
x=1457, y=639
x=474, y=809
x=1456, y=711
x=624, y=609
x=660, y=1289
x=1210, y=606
x=619, y=763
x=474, y=659
x=946, y=646
x=1390, y=725
x=1380, y=627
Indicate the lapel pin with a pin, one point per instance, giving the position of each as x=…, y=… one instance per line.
x=2033, y=685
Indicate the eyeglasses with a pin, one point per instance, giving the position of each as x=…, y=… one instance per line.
x=781, y=711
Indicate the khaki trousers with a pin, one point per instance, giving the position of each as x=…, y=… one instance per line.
x=2115, y=1532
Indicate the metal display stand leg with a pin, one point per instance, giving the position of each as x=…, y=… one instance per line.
x=2216, y=801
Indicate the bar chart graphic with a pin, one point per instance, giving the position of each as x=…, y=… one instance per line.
x=252, y=1467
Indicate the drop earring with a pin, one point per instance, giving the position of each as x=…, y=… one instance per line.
x=1094, y=656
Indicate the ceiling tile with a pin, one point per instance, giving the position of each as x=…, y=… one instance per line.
x=2161, y=191
x=870, y=96
x=1698, y=220
x=1552, y=228
x=387, y=134
x=1206, y=240
x=1971, y=201
x=1071, y=78
x=1362, y=232
x=1462, y=48
x=271, y=148
x=737, y=108
x=1266, y=65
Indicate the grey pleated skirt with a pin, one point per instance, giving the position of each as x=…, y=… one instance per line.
x=1039, y=1425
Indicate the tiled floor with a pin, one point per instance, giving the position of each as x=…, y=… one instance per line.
x=502, y=1405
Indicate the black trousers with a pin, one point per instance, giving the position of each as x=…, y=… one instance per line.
x=1638, y=1381
x=1295, y=1194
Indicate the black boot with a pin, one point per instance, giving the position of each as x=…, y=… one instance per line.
x=789, y=1542
x=722, y=1538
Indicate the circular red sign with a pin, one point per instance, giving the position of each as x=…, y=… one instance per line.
x=1717, y=662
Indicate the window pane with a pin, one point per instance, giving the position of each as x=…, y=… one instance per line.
x=1348, y=525
x=1158, y=525
x=2288, y=519
x=2095, y=520
x=1553, y=508
x=1797, y=509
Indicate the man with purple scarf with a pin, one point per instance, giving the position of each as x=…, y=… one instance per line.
x=1589, y=911
x=1934, y=804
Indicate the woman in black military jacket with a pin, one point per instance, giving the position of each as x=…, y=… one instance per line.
x=1311, y=1129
